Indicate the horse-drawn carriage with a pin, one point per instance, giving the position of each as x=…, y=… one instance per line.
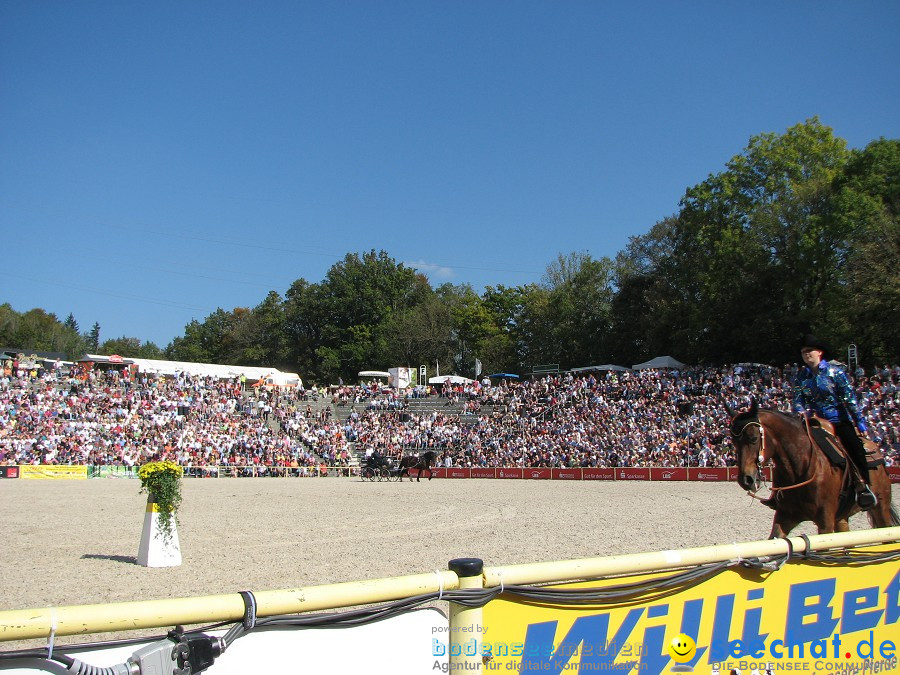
x=378, y=467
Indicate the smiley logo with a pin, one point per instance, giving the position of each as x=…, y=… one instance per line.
x=682, y=649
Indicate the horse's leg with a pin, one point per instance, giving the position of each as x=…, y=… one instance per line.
x=842, y=525
x=782, y=525
x=881, y=515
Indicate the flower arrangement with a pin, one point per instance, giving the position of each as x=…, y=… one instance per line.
x=162, y=481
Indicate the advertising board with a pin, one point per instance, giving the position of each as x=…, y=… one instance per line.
x=598, y=473
x=9, y=471
x=566, y=474
x=668, y=473
x=633, y=473
x=708, y=474
x=53, y=472
x=804, y=616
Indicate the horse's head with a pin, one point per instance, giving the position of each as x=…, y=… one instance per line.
x=747, y=438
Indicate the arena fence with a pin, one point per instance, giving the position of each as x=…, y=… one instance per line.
x=825, y=603
x=703, y=474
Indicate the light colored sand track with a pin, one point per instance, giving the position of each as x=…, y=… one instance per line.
x=75, y=542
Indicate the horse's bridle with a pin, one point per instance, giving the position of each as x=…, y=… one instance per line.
x=763, y=456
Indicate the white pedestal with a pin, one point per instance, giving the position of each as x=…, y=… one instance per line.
x=156, y=549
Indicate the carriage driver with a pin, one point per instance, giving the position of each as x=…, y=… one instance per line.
x=825, y=390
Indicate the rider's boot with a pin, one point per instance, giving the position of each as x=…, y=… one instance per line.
x=865, y=498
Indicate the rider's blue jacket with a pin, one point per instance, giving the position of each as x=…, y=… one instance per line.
x=828, y=393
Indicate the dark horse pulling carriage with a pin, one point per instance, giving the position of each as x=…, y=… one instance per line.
x=422, y=462
x=806, y=485
x=378, y=467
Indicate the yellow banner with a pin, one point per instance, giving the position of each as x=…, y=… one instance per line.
x=804, y=617
x=53, y=471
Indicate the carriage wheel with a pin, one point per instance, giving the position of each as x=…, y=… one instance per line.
x=384, y=474
x=368, y=473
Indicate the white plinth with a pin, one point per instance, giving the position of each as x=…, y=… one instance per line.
x=156, y=549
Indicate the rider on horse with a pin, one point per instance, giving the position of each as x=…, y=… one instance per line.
x=825, y=390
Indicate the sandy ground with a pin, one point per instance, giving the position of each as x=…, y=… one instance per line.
x=76, y=542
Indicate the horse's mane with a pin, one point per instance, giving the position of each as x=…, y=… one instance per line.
x=745, y=415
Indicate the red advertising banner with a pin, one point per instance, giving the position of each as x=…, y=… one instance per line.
x=566, y=474
x=668, y=473
x=483, y=472
x=455, y=472
x=537, y=473
x=598, y=473
x=708, y=474
x=894, y=473
x=9, y=472
x=509, y=472
x=633, y=473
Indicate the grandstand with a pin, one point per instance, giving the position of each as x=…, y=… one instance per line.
x=202, y=416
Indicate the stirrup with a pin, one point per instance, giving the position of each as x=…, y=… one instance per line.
x=866, y=499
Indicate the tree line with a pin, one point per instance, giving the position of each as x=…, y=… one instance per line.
x=797, y=234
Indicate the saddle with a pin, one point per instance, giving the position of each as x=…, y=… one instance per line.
x=822, y=433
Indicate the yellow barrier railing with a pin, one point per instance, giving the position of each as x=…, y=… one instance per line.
x=463, y=573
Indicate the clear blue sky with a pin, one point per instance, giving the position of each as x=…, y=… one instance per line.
x=161, y=159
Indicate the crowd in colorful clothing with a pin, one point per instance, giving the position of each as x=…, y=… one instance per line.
x=608, y=418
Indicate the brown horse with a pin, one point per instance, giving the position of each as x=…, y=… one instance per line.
x=421, y=462
x=805, y=484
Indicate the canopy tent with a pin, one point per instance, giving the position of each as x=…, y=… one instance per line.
x=222, y=371
x=452, y=379
x=605, y=366
x=373, y=373
x=659, y=362
x=100, y=359
x=510, y=376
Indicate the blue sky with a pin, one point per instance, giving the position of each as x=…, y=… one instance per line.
x=161, y=160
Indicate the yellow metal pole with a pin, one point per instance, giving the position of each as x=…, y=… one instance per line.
x=635, y=563
x=26, y=624
x=466, y=622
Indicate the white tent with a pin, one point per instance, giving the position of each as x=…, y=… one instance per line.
x=203, y=369
x=452, y=379
x=659, y=362
x=373, y=373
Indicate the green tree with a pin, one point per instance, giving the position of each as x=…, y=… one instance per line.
x=123, y=346
x=867, y=206
x=259, y=335
x=358, y=298
x=756, y=256
x=580, y=304
x=304, y=328
x=93, y=338
x=506, y=305
x=131, y=347
x=71, y=323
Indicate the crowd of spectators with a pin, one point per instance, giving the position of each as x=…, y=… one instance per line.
x=114, y=418
x=632, y=418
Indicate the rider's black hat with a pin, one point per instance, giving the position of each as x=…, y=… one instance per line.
x=813, y=342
